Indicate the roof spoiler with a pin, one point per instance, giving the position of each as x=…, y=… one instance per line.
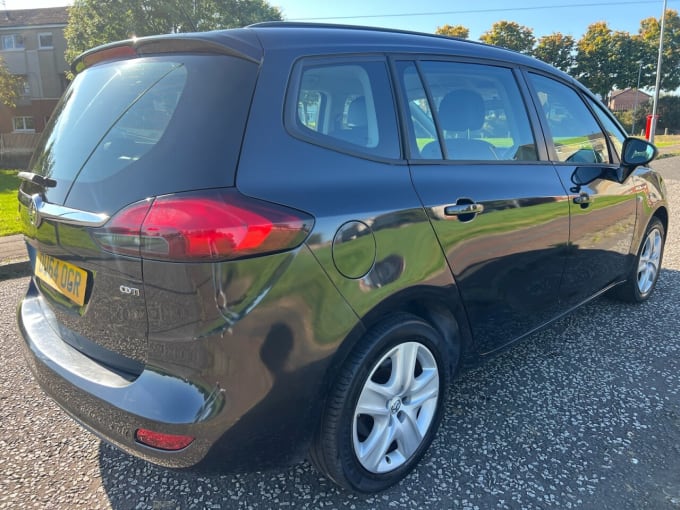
x=236, y=43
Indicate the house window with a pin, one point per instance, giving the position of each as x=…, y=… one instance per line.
x=13, y=42
x=23, y=124
x=25, y=87
x=45, y=40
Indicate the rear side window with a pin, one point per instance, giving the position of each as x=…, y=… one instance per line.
x=127, y=130
x=576, y=135
x=478, y=112
x=346, y=106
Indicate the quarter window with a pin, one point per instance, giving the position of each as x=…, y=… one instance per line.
x=477, y=109
x=576, y=135
x=346, y=106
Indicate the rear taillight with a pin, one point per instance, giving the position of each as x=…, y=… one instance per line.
x=211, y=225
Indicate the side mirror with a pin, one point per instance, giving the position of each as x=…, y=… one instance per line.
x=637, y=152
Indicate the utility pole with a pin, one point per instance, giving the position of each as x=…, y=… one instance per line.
x=658, y=75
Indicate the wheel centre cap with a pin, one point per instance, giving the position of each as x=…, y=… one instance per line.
x=394, y=405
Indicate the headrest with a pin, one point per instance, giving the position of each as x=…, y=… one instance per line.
x=461, y=110
x=356, y=112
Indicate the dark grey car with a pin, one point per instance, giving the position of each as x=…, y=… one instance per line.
x=255, y=245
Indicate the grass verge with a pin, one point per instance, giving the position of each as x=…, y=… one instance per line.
x=9, y=216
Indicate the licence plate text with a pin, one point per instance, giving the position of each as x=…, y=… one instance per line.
x=65, y=278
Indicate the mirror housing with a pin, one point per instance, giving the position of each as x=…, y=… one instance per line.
x=637, y=152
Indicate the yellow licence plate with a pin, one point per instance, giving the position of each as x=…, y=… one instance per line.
x=69, y=280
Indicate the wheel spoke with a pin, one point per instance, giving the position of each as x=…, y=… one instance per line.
x=374, y=449
x=426, y=387
x=409, y=436
x=373, y=400
x=404, y=366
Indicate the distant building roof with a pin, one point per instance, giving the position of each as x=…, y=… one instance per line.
x=33, y=17
x=616, y=93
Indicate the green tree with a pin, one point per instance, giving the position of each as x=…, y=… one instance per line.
x=9, y=86
x=95, y=22
x=557, y=50
x=511, y=35
x=594, y=65
x=650, y=30
x=458, y=31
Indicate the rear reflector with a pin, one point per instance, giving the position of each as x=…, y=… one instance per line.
x=203, y=226
x=171, y=442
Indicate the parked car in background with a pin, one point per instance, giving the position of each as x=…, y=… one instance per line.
x=260, y=244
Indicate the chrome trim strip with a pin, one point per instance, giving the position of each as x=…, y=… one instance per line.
x=41, y=210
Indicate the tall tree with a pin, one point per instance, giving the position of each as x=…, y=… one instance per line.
x=511, y=35
x=454, y=31
x=627, y=55
x=9, y=86
x=649, y=33
x=95, y=22
x=557, y=50
x=594, y=63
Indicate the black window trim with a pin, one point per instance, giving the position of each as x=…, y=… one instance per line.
x=290, y=114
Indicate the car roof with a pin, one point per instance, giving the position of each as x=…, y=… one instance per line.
x=329, y=38
x=305, y=39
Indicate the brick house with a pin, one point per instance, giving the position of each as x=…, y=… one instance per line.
x=624, y=100
x=32, y=46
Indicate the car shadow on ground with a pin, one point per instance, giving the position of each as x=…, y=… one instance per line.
x=583, y=413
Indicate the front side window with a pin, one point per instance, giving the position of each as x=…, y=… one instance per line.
x=616, y=135
x=480, y=113
x=346, y=106
x=576, y=135
x=23, y=124
x=13, y=42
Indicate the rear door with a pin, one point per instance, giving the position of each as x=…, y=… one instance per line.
x=603, y=210
x=496, y=205
x=125, y=131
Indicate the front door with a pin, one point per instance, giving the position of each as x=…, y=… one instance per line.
x=603, y=211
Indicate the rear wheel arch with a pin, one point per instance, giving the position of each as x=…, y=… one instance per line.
x=438, y=307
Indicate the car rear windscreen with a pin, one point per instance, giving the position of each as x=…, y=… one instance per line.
x=131, y=129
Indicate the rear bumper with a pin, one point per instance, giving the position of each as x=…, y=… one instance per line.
x=250, y=392
x=107, y=403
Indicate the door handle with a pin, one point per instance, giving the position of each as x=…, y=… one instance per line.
x=459, y=209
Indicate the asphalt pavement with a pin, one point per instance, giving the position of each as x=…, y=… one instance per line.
x=583, y=414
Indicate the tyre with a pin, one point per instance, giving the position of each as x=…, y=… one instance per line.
x=645, y=271
x=386, y=405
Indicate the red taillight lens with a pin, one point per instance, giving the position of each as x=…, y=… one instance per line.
x=162, y=441
x=213, y=225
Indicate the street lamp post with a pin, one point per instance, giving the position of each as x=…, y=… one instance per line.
x=658, y=75
x=637, y=95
